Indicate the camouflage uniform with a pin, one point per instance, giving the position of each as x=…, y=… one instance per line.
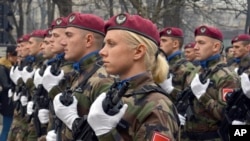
x=32, y=133
x=180, y=69
x=18, y=131
x=97, y=83
x=208, y=110
x=147, y=114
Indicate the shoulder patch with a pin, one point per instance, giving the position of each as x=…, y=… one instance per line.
x=159, y=137
x=225, y=91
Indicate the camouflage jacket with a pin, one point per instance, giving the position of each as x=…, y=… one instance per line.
x=148, y=115
x=208, y=110
x=181, y=69
x=98, y=82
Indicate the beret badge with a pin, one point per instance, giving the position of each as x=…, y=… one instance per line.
x=203, y=29
x=58, y=22
x=169, y=31
x=236, y=38
x=120, y=19
x=72, y=18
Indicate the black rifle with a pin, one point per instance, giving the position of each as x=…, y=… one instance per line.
x=184, y=101
x=111, y=105
x=41, y=101
x=55, y=70
x=238, y=108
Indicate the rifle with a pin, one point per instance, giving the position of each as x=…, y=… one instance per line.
x=41, y=100
x=238, y=108
x=184, y=100
x=56, y=71
x=111, y=105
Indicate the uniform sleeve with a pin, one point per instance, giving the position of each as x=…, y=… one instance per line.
x=161, y=122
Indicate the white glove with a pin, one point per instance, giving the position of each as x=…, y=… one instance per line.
x=50, y=80
x=30, y=107
x=27, y=75
x=10, y=93
x=51, y=136
x=167, y=84
x=16, y=96
x=245, y=84
x=38, y=79
x=237, y=122
x=198, y=88
x=182, y=119
x=236, y=70
x=15, y=74
x=43, y=115
x=101, y=122
x=67, y=114
x=24, y=100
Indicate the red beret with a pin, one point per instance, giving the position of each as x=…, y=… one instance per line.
x=209, y=31
x=134, y=23
x=38, y=33
x=189, y=45
x=24, y=38
x=60, y=22
x=241, y=37
x=172, y=32
x=48, y=32
x=89, y=22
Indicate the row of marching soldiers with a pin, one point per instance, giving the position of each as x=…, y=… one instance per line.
x=137, y=86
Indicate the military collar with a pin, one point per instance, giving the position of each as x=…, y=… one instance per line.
x=210, y=61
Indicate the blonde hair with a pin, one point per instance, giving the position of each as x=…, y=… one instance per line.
x=155, y=63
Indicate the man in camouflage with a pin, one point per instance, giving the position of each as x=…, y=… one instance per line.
x=180, y=69
x=84, y=38
x=54, y=84
x=18, y=131
x=209, y=86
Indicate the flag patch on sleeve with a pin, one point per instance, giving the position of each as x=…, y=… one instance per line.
x=224, y=93
x=159, y=137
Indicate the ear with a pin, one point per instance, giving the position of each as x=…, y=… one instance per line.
x=175, y=43
x=140, y=51
x=217, y=47
x=89, y=40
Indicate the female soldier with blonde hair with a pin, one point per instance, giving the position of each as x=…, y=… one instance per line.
x=131, y=52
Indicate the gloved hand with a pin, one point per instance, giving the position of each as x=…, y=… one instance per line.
x=15, y=74
x=237, y=122
x=182, y=119
x=245, y=84
x=198, y=88
x=30, y=109
x=167, y=84
x=16, y=96
x=101, y=122
x=67, y=114
x=27, y=75
x=51, y=136
x=38, y=79
x=10, y=93
x=43, y=115
x=50, y=80
x=24, y=100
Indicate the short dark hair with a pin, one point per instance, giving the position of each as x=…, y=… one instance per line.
x=11, y=50
x=227, y=48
